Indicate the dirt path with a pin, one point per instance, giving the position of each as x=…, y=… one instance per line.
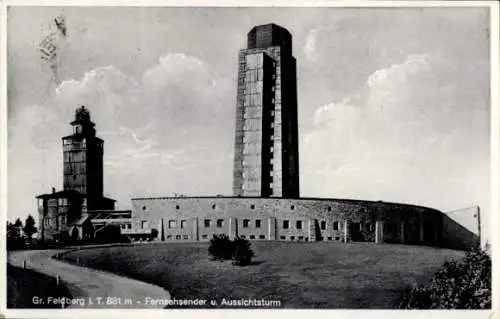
x=91, y=288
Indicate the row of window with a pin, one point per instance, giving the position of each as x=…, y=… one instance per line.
x=252, y=207
x=246, y=223
x=178, y=237
x=207, y=223
x=293, y=238
x=205, y=236
x=214, y=206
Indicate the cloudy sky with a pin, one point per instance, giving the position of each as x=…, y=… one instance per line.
x=393, y=102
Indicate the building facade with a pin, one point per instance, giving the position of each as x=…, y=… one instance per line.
x=266, y=161
x=305, y=219
x=70, y=213
x=266, y=204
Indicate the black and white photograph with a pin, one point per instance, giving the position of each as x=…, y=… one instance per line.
x=249, y=157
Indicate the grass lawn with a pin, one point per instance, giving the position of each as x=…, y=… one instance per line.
x=24, y=284
x=299, y=275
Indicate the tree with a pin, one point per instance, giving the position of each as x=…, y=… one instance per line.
x=243, y=252
x=221, y=247
x=18, y=223
x=14, y=240
x=29, y=227
x=12, y=231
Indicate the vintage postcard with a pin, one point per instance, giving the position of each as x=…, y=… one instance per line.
x=340, y=156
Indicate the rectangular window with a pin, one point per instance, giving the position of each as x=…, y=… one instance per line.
x=246, y=222
x=252, y=236
x=207, y=222
x=262, y=237
x=183, y=223
x=292, y=237
x=301, y=237
x=323, y=225
x=186, y=237
x=220, y=223
x=144, y=224
x=169, y=236
x=335, y=225
x=282, y=237
x=177, y=236
x=286, y=224
x=172, y=224
x=329, y=238
x=204, y=236
x=257, y=223
x=299, y=224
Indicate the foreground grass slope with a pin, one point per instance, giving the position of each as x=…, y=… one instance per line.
x=24, y=284
x=299, y=275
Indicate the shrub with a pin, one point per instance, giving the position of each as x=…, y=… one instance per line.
x=243, y=254
x=221, y=247
x=456, y=285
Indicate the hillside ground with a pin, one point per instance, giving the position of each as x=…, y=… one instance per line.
x=298, y=275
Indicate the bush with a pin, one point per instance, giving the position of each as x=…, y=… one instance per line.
x=243, y=254
x=221, y=247
x=462, y=285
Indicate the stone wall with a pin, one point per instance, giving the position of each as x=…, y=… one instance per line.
x=306, y=219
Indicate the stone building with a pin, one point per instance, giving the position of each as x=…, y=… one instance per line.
x=80, y=211
x=266, y=161
x=266, y=204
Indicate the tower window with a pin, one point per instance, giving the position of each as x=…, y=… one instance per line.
x=143, y=207
x=246, y=222
x=252, y=206
x=177, y=207
x=207, y=222
x=220, y=223
x=257, y=223
x=329, y=208
x=292, y=207
x=286, y=224
x=299, y=224
x=183, y=223
x=172, y=224
x=213, y=206
x=323, y=225
x=335, y=225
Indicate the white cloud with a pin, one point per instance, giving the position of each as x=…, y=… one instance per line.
x=309, y=47
x=404, y=140
x=149, y=125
